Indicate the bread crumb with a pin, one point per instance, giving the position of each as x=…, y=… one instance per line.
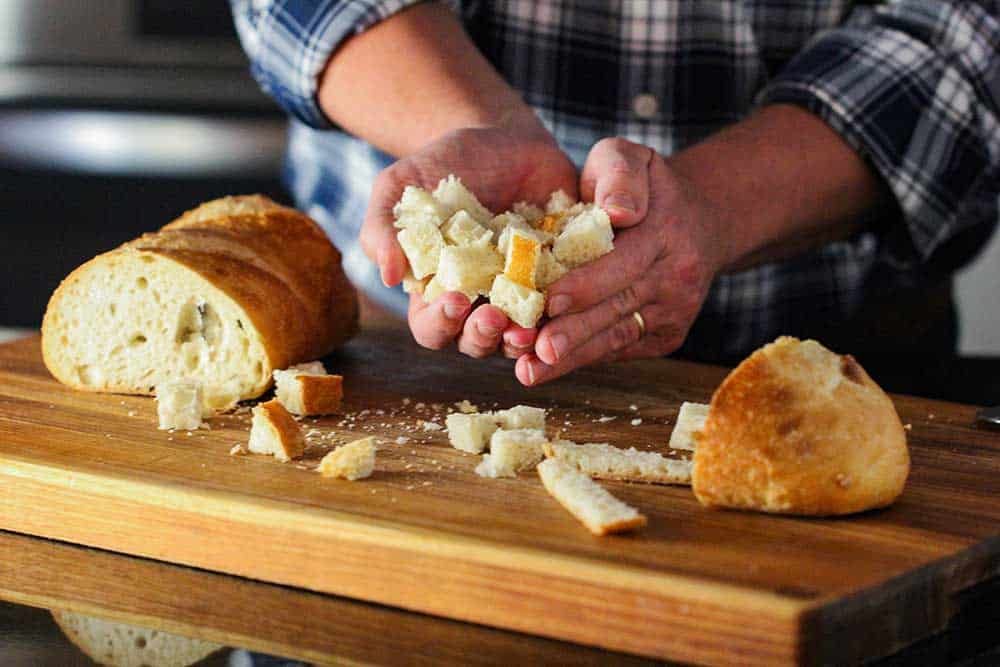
x=131, y=413
x=606, y=419
x=430, y=426
x=237, y=450
x=402, y=440
x=636, y=421
x=908, y=427
x=930, y=415
x=465, y=407
x=406, y=401
x=633, y=407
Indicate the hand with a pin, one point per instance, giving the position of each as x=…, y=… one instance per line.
x=500, y=166
x=663, y=263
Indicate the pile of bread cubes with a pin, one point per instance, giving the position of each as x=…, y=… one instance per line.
x=455, y=244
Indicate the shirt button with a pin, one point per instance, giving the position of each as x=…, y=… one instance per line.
x=645, y=106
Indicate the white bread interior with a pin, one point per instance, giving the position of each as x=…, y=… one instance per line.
x=603, y=461
x=353, y=461
x=690, y=420
x=512, y=452
x=590, y=503
x=179, y=405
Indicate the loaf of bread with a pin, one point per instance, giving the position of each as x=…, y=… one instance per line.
x=123, y=645
x=797, y=429
x=589, y=502
x=226, y=294
x=510, y=258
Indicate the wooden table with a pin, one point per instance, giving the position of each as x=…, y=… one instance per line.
x=821, y=589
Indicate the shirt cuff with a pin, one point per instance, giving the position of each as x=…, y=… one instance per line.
x=913, y=118
x=295, y=40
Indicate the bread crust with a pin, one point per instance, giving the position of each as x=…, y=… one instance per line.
x=273, y=262
x=797, y=429
x=289, y=432
x=321, y=394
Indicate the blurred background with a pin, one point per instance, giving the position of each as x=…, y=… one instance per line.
x=122, y=114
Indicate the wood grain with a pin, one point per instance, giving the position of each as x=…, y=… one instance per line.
x=278, y=620
x=425, y=533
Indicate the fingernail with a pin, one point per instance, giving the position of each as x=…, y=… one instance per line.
x=453, y=311
x=559, y=304
x=531, y=372
x=487, y=331
x=620, y=200
x=559, y=344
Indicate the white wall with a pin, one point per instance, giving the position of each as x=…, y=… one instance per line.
x=978, y=296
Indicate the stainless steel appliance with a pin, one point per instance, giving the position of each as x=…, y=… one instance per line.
x=116, y=115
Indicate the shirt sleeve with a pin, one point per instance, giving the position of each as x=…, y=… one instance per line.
x=914, y=87
x=290, y=41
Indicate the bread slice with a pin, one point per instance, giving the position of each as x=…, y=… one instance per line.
x=222, y=296
x=453, y=196
x=306, y=389
x=512, y=452
x=519, y=417
x=179, y=405
x=274, y=431
x=417, y=205
x=422, y=243
x=521, y=304
x=468, y=269
x=522, y=260
x=602, y=461
x=597, y=509
x=470, y=432
x=353, y=461
x=462, y=229
x=690, y=420
x=585, y=237
x=122, y=645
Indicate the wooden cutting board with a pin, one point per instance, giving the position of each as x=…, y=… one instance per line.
x=426, y=534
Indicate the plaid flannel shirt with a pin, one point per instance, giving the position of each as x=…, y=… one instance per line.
x=912, y=85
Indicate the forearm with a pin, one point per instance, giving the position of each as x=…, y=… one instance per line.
x=781, y=182
x=413, y=78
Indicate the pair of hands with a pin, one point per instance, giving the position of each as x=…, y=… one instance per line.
x=668, y=249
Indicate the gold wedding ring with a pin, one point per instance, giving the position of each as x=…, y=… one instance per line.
x=641, y=322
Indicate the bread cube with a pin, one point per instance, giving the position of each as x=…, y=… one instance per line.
x=422, y=243
x=179, y=405
x=307, y=389
x=511, y=452
x=470, y=432
x=523, y=255
x=468, y=269
x=511, y=223
x=691, y=419
x=274, y=431
x=353, y=461
x=520, y=417
x=586, y=237
x=558, y=201
x=453, y=196
x=462, y=229
x=433, y=289
x=412, y=284
x=417, y=205
x=549, y=269
x=521, y=304
x=529, y=212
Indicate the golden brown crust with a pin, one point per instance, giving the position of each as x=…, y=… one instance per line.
x=797, y=429
x=321, y=394
x=624, y=526
x=273, y=261
x=289, y=432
